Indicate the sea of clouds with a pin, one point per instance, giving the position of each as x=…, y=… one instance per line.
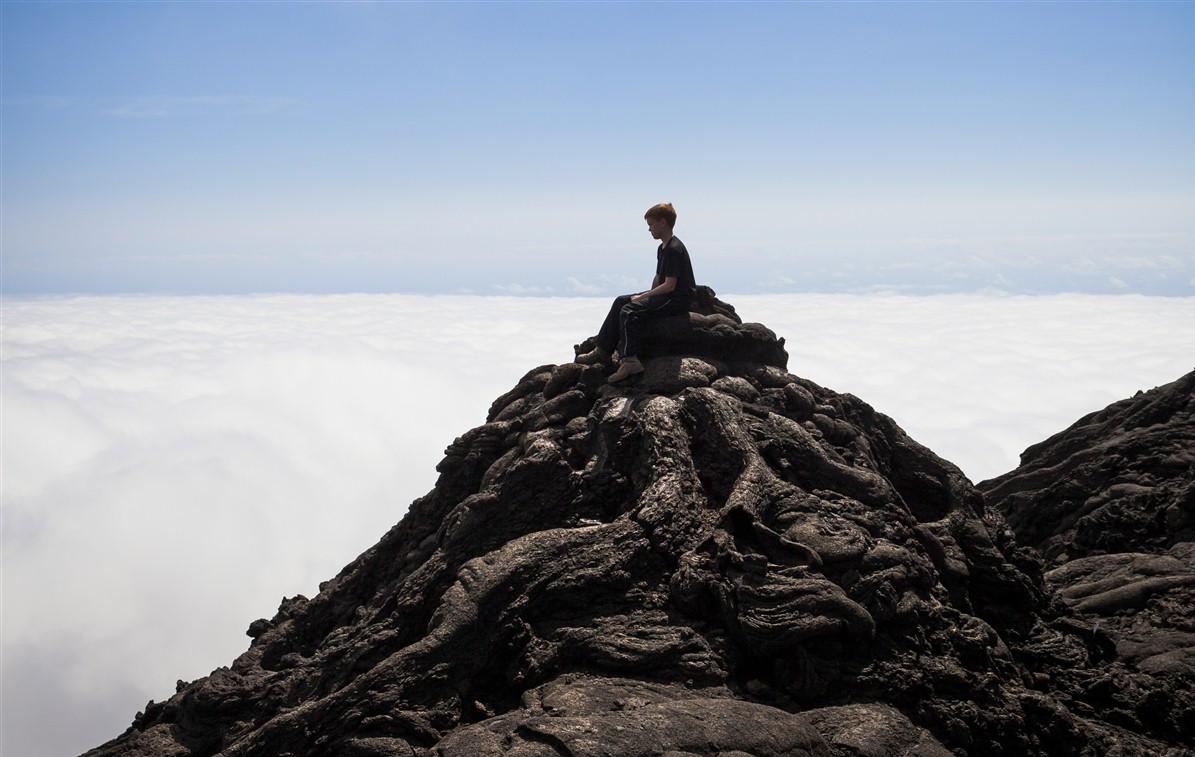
x=174, y=466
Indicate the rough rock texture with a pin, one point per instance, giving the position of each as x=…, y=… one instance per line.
x=716, y=557
x=1110, y=502
x=1118, y=480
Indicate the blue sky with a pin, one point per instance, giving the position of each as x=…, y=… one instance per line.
x=513, y=147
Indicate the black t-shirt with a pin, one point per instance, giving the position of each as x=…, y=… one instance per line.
x=672, y=259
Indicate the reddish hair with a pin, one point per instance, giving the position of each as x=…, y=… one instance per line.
x=663, y=210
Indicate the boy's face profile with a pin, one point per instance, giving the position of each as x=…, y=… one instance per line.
x=658, y=227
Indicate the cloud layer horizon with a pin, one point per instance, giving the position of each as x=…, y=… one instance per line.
x=176, y=465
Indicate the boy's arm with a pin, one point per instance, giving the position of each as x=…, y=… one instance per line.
x=655, y=282
x=660, y=284
x=667, y=286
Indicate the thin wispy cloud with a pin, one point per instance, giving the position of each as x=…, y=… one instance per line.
x=579, y=287
x=173, y=466
x=137, y=110
x=607, y=283
x=162, y=107
x=47, y=102
x=157, y=106
x=522, y=289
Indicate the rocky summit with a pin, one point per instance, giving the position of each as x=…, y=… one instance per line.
x=715, y=557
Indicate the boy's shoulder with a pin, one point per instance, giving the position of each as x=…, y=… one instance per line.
x=675, y=244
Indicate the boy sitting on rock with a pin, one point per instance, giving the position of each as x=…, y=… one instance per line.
x=670, y=294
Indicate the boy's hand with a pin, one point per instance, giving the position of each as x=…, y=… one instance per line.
x=639, y=297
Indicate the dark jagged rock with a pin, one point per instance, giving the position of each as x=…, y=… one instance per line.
x=1119, y=480
x=716, y=557
x=1110, y=502
x=713, y=331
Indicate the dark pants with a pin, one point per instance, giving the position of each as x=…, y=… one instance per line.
x=625, y=320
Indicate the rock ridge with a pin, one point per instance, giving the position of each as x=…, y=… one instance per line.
x=1110, y=502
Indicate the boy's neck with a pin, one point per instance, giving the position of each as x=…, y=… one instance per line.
x=666, y=239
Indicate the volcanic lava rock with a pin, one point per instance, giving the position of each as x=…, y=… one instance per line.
x=1110, y=501
x=1118, y=480
x=715, y=557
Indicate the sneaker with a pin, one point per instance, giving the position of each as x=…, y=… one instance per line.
x=629, y=367
x=594, y=356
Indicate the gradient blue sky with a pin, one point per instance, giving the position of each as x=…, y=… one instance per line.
x=513, y=147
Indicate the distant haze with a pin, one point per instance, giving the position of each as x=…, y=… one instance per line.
x=511, y=148
x=173, y=466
